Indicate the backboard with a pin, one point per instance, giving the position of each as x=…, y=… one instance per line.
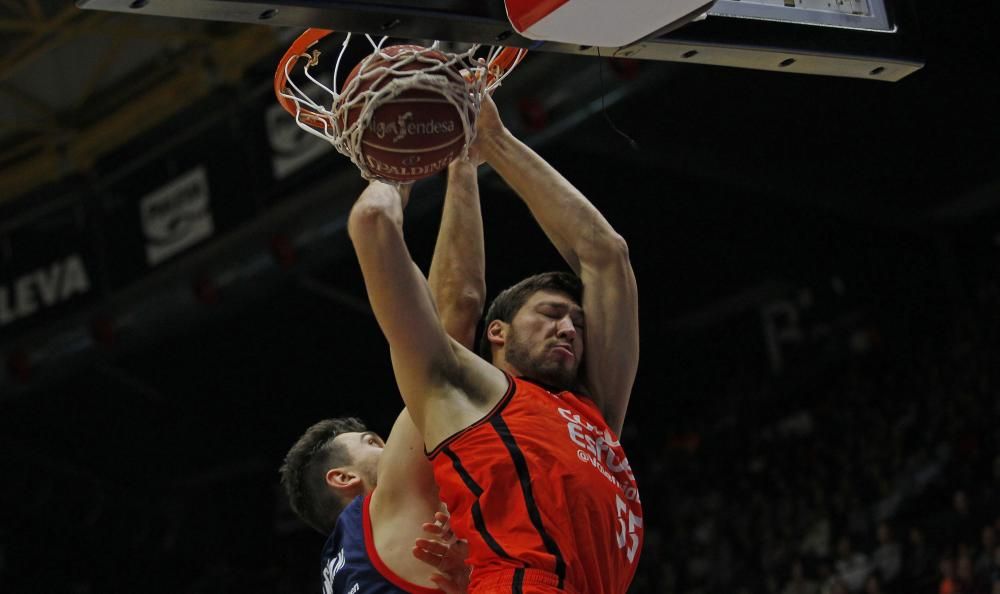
x=871, y=39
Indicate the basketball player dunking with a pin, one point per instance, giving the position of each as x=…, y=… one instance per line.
x=525, y=451
x=330, y=475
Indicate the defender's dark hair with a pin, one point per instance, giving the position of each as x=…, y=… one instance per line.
x=506, y=305
x=303, y=473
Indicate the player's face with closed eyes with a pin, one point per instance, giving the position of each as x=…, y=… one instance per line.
x=545, y=339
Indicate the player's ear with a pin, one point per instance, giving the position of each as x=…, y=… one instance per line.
x=342, y=478
x=496, y=333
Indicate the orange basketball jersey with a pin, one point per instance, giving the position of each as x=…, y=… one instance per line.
x=544, y=494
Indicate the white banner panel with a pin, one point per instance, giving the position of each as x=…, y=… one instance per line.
x=176, y=216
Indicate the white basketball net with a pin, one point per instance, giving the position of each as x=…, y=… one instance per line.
x=461, y=79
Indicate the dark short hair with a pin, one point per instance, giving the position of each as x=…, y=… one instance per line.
x=506, y=305
x=303, y=473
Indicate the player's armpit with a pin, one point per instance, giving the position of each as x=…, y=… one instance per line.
x=405, y=476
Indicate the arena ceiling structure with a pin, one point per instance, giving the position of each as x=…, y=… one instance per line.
x=149, y=374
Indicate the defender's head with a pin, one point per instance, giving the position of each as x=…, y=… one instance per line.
x=535, y=329
x=333, y=462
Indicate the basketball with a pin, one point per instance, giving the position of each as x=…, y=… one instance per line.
x=415, y=134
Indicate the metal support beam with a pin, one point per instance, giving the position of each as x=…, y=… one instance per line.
x=32, y=47
x=236, y=54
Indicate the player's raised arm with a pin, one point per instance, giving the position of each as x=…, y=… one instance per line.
x=458, y=285
x=593, y=249
x=428, y=365
x=397, y=290
x=457, y=276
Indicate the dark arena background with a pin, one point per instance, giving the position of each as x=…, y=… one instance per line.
x=818, y=260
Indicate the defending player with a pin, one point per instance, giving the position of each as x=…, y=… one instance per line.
x=331, y=473
x=525, y=452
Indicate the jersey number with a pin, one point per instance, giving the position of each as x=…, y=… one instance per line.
x=628, y=526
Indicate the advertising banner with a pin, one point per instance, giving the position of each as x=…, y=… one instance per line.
x=176, y=216
x=47, y=268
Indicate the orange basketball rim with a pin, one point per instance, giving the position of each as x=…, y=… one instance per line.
x=501, y=62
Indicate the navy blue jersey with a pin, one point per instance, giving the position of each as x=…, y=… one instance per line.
x=351, y=564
